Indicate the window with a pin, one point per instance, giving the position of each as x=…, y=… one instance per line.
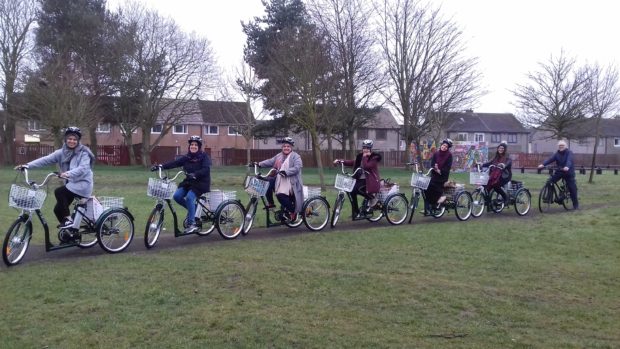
x=381, y=135
x=35, y=126
x=496, y=138
x=124, y=129
x=157, y=128
x=479, y=137
x=512, y=138
x=232, y=131
x=211, y=130
x=179, y=129
x=462, y=137
x=616, y=142
x=362, y=133
x=104, y=127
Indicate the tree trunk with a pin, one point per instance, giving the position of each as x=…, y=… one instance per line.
x=596, y=140
x=8, y=140
x=330, y=147
x=146, y=148
x=317, y=156
x=92, y=134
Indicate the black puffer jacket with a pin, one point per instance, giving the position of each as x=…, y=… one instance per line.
x=199, y=166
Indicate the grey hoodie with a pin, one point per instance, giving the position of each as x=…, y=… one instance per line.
x=78, y=166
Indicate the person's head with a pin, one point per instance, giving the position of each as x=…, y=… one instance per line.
x=562, y=145
x=445, y=144
x=287, y=145
x=502, y=149
x=194, y=144
x=73, y=135
x=367, y=145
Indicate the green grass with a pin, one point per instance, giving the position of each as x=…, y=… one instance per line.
x=500, y=281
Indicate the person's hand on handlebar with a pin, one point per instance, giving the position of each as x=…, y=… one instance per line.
x=155, y=168
x=191, y=176
x=541, y=166
x=64, y=175
x=337, y=161
x=282, y=173
x=20, y=167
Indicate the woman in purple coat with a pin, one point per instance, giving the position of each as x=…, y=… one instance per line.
x=368, y=180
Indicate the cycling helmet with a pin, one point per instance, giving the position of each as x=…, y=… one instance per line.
x=448, y=141
x=367, y=143
x=288, y=140
x=196, y=139
x=72, y=130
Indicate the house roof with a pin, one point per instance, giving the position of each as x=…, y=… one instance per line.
x=220, y=112
x=383, y=119
x=587, y=128
x=484, y=122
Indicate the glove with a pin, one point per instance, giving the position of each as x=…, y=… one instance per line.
x=282, y=173
x=155, y=168
x=191, y=176
x=20, y=167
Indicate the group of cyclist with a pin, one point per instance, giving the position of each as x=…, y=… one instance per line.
x=76, y=160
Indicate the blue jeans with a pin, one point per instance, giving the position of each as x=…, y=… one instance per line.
x=187, y=199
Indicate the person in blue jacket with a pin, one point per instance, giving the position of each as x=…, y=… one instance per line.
x=563, y=159
x=76, y=162
x=197, y=166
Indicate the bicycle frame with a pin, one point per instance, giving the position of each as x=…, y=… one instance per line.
x=268, y=210
x=364, y=211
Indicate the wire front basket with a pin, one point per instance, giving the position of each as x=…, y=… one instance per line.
x=256, y=186
x=344, y=182
x=26, y=198
x=479, y=178
x=109, y=202
x=160, y=188
x=419, y=180
x=310, y=192
x=216, y=197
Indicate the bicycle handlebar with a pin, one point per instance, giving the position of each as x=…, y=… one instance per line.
x=347, y=173
x=257, y=172
x=34, y=184
x=165, y=177
x=417, y=170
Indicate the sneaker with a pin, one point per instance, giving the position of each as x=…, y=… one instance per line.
x=192, y=228
x=293, y=216
x=66, y=224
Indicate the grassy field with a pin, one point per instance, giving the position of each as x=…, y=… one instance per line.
x=500, y=281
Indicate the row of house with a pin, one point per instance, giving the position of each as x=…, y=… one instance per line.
x=217, y=123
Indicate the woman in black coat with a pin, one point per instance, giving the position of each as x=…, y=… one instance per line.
x=441, y=163
x=197, y=166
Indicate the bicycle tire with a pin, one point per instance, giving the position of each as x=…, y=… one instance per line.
x=396, y=208
x=463, y=206
x=375, y=214
x=522, y=201
x=316, y=213
x=154, y=226
x=413, y=205
x=229, y=219
x=250, y=215
x=546, y=198
x=207, y=221
x=337, y=209
x=88, y=236
x=478, y=203
x=16, y=241
x=565, y=194
x=115, y=230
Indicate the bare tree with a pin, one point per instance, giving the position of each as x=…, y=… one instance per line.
x=352, y=42
x=16, y=20
x=171, y=68
x=423, y=57
x=603, y=100
x=555, y=98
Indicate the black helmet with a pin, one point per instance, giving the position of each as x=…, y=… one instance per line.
x=196, y=139
x=503, y=144
x=72, y=130
x=448, y=141
x=288, y=140
x=367, y=143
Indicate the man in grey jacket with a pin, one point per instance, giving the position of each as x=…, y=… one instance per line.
x=75, y=161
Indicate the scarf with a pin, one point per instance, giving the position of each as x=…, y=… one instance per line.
x=441, y=157
x=195, y=157
x=283, y=184
x=68, y=154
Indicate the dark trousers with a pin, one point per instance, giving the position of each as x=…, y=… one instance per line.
x=358, y=189
x=287, y=201
x=64, y=198
x=270, y=189
x=570, y=183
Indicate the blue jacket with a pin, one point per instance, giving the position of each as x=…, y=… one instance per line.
x=201, y=168
x=563, y=159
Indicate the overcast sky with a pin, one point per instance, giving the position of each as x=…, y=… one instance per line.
x=510, y=38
